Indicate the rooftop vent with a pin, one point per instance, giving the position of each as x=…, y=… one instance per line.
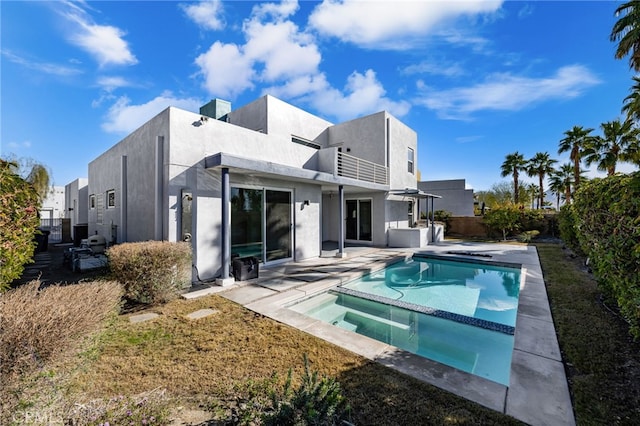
x=216, y=108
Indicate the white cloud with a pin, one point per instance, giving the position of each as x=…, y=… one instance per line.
x=125, y=118
x=43, y=67
x=363, y=94
x=104, y=42
x=206, y=14
x=507, y=92
x=19, y=145
x=226, y=69
x=435, y=67
x=275, y=44
x=279, y=53
x=385, y=24
x=114, y=82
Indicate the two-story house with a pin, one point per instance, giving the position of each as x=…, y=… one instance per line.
x=267, y=180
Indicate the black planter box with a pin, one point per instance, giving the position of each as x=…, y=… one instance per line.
x=245, y=268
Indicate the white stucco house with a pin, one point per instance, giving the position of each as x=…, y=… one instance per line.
x=455, y=197
x=267, y=180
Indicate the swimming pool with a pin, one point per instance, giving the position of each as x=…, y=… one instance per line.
x=461, y=314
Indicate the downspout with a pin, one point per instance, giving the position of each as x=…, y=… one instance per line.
x=341, y=252
x=224, y=228
x=159, y=181
x=123, y=199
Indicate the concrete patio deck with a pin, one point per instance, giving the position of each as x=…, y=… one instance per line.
x=538, y=392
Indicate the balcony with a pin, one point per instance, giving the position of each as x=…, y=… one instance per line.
x=344, y=165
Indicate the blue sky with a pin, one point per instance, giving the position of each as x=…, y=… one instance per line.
x=476, y=80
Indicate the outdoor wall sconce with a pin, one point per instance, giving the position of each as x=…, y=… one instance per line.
x=306, y=202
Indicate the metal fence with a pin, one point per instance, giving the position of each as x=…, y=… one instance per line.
x=54, y=226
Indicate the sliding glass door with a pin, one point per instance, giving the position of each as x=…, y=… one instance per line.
x=261, y=223
x=358, y=226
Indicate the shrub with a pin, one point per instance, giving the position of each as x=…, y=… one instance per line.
x=41, y=327
x=607, y=215
x=527, y=236
x=152, y=272
x=567, y=226
x=317, y=401
x=18, y=223
x=505, y=219
x=150, y=408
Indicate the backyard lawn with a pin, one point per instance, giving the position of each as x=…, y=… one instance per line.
x=224, y=364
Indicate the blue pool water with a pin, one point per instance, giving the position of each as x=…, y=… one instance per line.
x=458, y=314
x=477, y=290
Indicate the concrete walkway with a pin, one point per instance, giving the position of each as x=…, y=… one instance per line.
x=538, y=393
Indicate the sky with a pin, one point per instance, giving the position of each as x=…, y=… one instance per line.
x=476, y=80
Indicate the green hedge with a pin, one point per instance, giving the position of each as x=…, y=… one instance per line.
x=18, y=223
x=607, y=225
x=151, y=272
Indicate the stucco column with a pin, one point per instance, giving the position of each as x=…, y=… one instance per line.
x=341, y=252
x=433, y=230
x=225, y=229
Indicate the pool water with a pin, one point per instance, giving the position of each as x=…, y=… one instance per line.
x=435, y=308
x=477, y=290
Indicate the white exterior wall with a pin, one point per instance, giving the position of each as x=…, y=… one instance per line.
x=53, y=205
x=76, y=202
x=138, y=222
x=455, y=198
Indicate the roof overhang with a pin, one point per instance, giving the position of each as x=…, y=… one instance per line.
x=411, y=193
x=267, y=169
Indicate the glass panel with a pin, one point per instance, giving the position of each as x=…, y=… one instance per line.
x=278, y=225
x=352, y=220
x=246, y=222
x=365, y=220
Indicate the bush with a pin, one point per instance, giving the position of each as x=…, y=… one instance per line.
x=41, y=327
x=315, y=402
x=151, y=272
x=505, y=219
x=607, y=224
x=567, y=226
x=18, y=223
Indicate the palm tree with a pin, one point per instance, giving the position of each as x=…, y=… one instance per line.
x=561, y=181
x=631, y=105
x=540, y=165
x=513, y=165
x=619, y=142
x=626, y=31
x=576, y=140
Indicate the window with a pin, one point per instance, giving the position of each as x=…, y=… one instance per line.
x=305, y=142
x=410, y=160
x=92, y=201
x=111, y=199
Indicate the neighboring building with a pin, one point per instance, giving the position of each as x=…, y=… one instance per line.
x=53, y=204
x=455, y=197
x=77, y=207
x=267, y=180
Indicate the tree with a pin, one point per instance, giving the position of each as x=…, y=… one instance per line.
x=576, y=140
x=505, y=218
x=540, y=165
x=18, y=223
x=499, y=194
x=631, y=105
x=513, y=165
x=561, y=181
x=619, y=142
x=626, y=31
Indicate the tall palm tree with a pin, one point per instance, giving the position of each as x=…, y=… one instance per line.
x=619, y=142
x=575, y=141
x=626, y=31
x=561, y=181
x=513, y=165
x=540, y=165
x=631, y=105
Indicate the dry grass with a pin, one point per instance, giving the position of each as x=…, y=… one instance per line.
x=223, y=358
x=44, y=328
x=603, y=363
